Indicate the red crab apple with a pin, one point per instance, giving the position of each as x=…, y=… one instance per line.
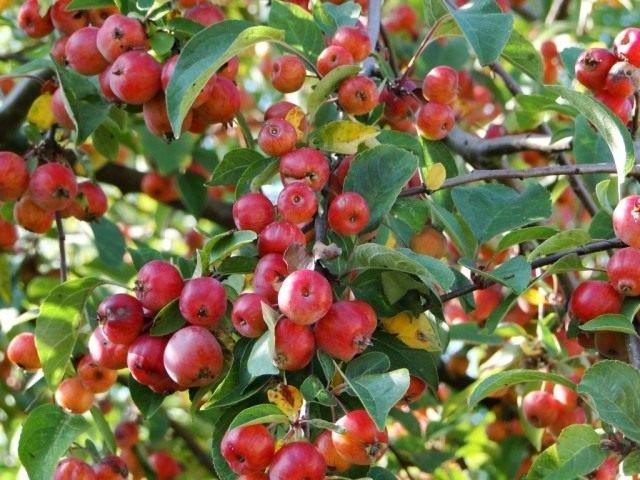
x=67, y=21
x=31, y=22
x=297, y=203
x=253, y=211
x=335, y=462
x=203, y=301
x=106, y=353
x=348, y=213
x=53, y=186
x=135, y=77
x=82, y=54
x=278, y=236
x=119, y=34
x=295, y=345
x=158, y=283
x=145, y=362
x=31, y=217
x=305, y=296
x=626, y=220
x=22, y=351
x=111, y=467
x=246, y=314
x=358, y=95
x=121, y=318
x=298, y=461
x=277, y=137
x=270, y=272
x=592, y=67
x=288, y=74
x=440, y=84
x=248, y=449
x=362, y=443
x=593, y=298
x=74, y=396
x=623, y=271
x=355, y=40
x=164, y=465
x=305, y=164
x=435, y=120
x=14, y=176
x=96, y=378
x=540, y=408
x=73, y=469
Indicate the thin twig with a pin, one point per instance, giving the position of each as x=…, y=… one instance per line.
x=203, y=457
x=393, y=60
x=374, y=15
x=633, y=348
x=402, y=460
x=63, y=253
x=425, y=41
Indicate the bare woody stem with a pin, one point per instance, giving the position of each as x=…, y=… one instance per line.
x=61, y=245
x=425, y=41
x=203, y=457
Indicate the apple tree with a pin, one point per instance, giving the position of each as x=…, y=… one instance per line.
x=319, y=239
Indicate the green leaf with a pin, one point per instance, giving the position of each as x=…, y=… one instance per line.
x=457, y=228
x=301, y=32
x=514, y=273
x=193, y=192
x=87, y=4
x=379, y=473
x=167, y=320
x=608, y=124
x=500, y=380
x=233, y=166
x=327, y=85
x=203, y=55
x=612, y=389
x=263, y=413
x=404, y=140
x=485, y=27
x=380, y=392
x=258, y=173
x=378, y=257
x=509, y=209
x=610, y=323
x=46, y=435
x=631, y=463
x=577, y=453
x=105, y=141
x=329, y=16
x=561, y=241
x=472, y=333
x=5, y=279
x=106, y=431
x=147, y=401
x=379, y=174
x=342, y=136
x=524, y=235
x=523, y=55
x=109, y=241
x=589, y=147
x=260, y=360
x=221, y=246
x=412, y=211
x=166, y=157
x=162, y=42
x=87, y=107
x=313, y=390
x=368, y=363
x=420, y=363
x=58, y=324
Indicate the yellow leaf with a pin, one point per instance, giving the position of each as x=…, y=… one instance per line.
x=4, y=4
x=40, y=114
x=415, y=332
x=435, y=176
x=296, y=117
x=287, y=398
x=343, y=136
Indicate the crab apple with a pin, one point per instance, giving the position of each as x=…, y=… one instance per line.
x=8, y=235
x=297, y=203
x=288, y=111
x=416, y=389
x=295, y=345
x=430, y=241
x=73, y=469
x=335, y=462
x=14, y=176
x=58, y=49
x=121, y=318
x=53, y=186
x=277, y=137
x=331, y=57
x=305, y=164
x=230, y=69
x=298, y=461
x=592, y=67
x=222, y=101
x=60, y=111
x=440, y=85
x=74, y=396
x=145, y=362
x=305, y=296
x=278, y=236
x=355, y=40
x=159, y=187
x=626, y=220
x=135, y=77
x=402, y=17
x=607, y=470
x=106, y=353
x=96, y=378
x=203, y=301
x=248, y=449
x=31, y=217
x=568, y=417
x=205, y=14
x=111, y=467
x=348, y=213
x=623, y=273
x=246, y=314
x=22, y=351
x=346, y=329
x=358, y=95
x=253, y=211
x=97, y=16
x=270, y=272
x=31, y=22
x=486, y=300
x=127, y=434
x=154, y=113
x=89, y=204
x=566, y=396
x=288, y=74
x=622, y=107
x=165, y=466
x=362, y=443
x=68, y=21
x=593, y=298
x=168, y=67
x=158, y=283
x=104, y=81
x=435, y=120
x=611, y=345
x=119, y=34
x=627, y=45
x=540, y=408
x=621, y=81
x=193, y=357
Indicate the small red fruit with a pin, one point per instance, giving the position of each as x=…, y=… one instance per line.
x=298, y=461
x=358, y=95
x=593, y=298
x=277, y=137
x=246, y=315
x=627, y=45
x=22, y=351
x=248, y=449
x=203, y=301
x=297, y=203
x=8, y=235
x=135, y=77
x=73, y=469
x=145, y=362
x=31, y=217
x=305, y=296
x=355, y=40
x=165, y=465
x=127, y=434
x=111, y=467
x=119, y=34
x=362, y=443
x=222, y=100
x=331, y=57
x=106, y=353
x=626, y=220
x=295, y=345
x=335, y=462
x=270, y=272
x=53, y=186
x=31, y=22
x=623, y=273
x=90, y=202
x=540, y=408
x=440, y=85
x=14, y=176
x=288, y=74
x=82, y=54
x=348, y=213
x=592, y=67
x=68, y=21
x=435, y=120
x=278, y=236
x=205, y=14
x=72, y=395
x=253, y=211
x=305, y=164
x=158, y=283
x=96, y=378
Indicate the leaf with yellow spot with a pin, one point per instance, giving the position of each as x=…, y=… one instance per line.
x=296, y=117
x=436, y=175
x=287, y=398
x=415, y=332
x=342, y=136
x=40, y=114
x=4, y=4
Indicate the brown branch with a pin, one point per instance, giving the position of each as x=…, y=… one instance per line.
x=129, y=180
x=193, y=445
x=61, y=246
x=393, y=60
x=594, y=247
x=503, y=174
x=402, y=460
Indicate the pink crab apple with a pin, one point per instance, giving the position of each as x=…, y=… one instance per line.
x=53, y=186
x=348, y=213
x=135, y=77
x=362, y=443
x=305, y=164
x=297, y=203
x=278, y=236
x=158, y=283
x=146, y=364
x=246, y=314
x=106, y=353
x=270, y=272
x=248, y=448
x=295, y=345
x=305, y=296
x=253, y=211
x=203, y=301
x=298, y=461
x=121, y=318
x=14, y=176
x=119, y=34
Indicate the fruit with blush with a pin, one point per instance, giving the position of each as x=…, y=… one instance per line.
x=362, y=443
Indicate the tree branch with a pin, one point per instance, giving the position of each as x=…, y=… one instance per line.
x=191, y=443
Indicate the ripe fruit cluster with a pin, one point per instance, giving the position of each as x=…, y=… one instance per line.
x=612, y=74
x=49, y=188
x=250, y=450
x=111, y=467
